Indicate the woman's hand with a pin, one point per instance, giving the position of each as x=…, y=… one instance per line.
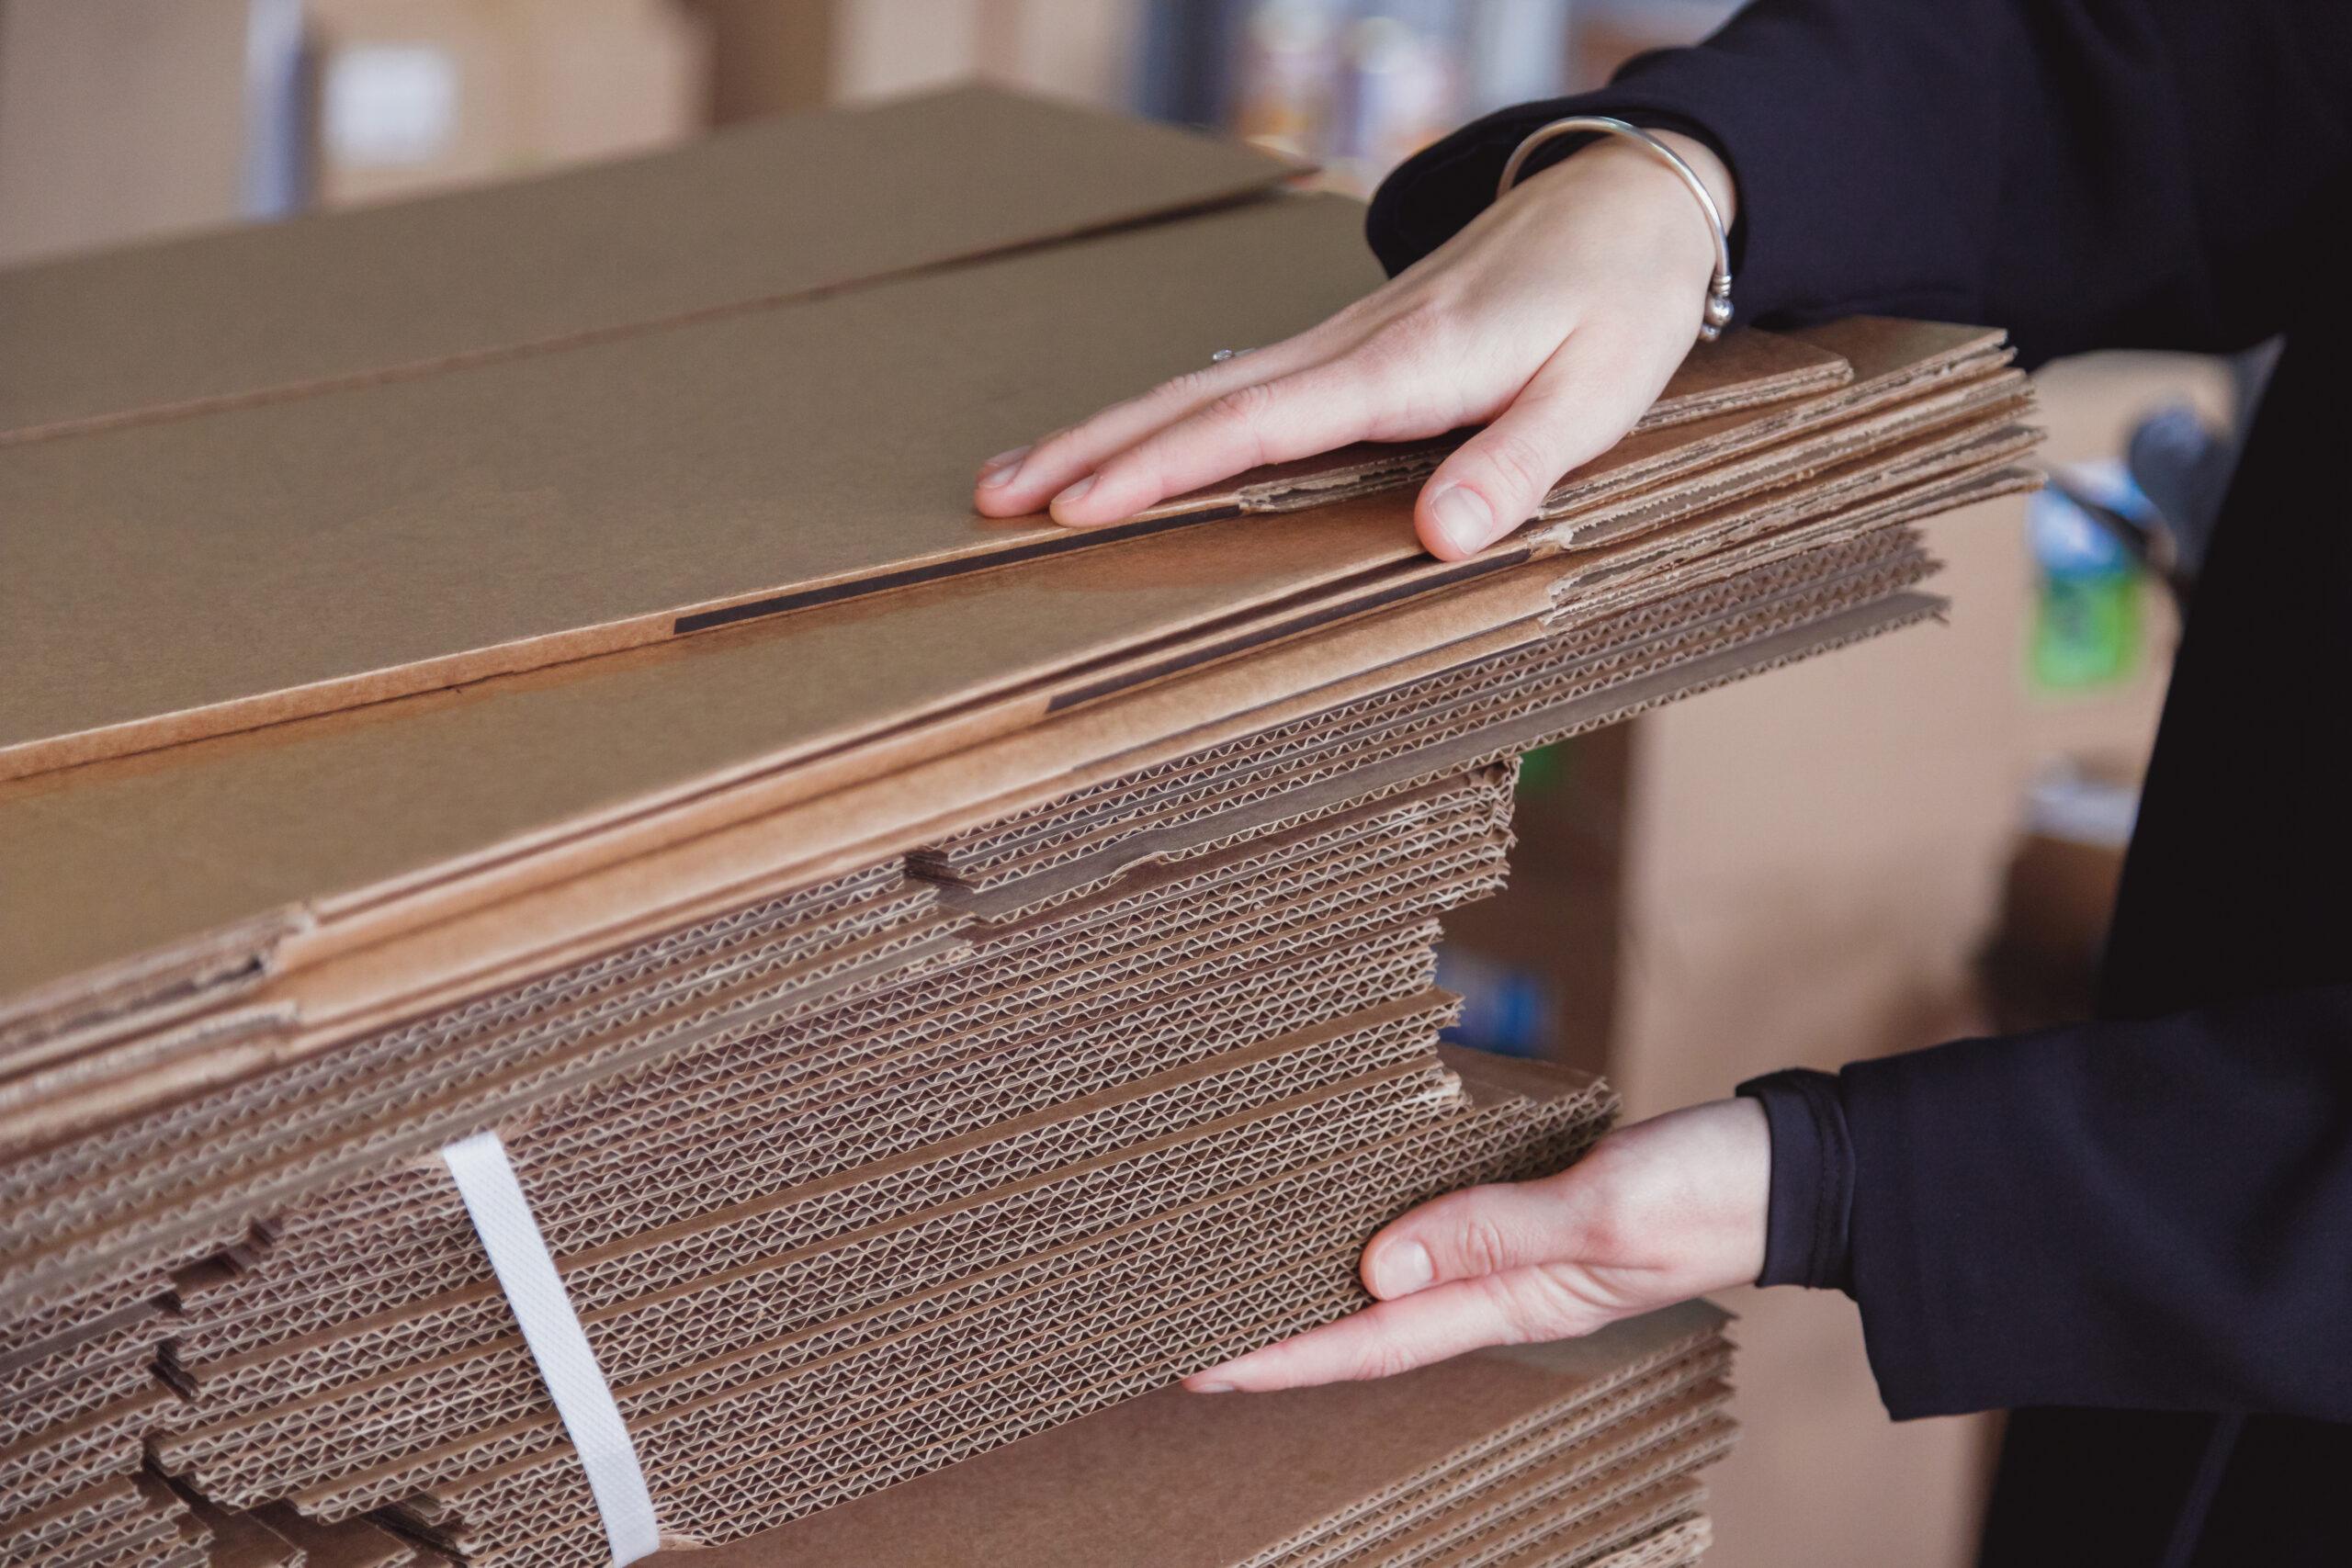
x=1554, y=319
x=1657, y=1213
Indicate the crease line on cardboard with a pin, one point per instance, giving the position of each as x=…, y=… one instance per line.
x=418, y=369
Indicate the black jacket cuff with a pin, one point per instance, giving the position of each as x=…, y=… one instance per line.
x=1808, y=1236
x=1428, y=198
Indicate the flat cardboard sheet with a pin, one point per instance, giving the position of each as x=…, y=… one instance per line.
x=750, y=215
x=366, y=543
x=369, y=543
x=1186, y=1480
x=505, y=931
x=528, y=752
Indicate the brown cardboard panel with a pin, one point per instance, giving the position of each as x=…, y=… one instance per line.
x=208, y=1131
x=830, y=674
x=1536, y=1075
x=1742, y=370
x=1519, y=1510
x=845, y=1103
x=1185, y=1481
x=1676, y=1546
x=241, y=1540
x=248, y=1381
x=355, y=1543
x=1892, y=362
x=827, y=1055
x=1350, y=734
x=672, y=736
x=1553, y=1086
x=207, y=1307
x=1307, y=782
x=370, y=544
x=629, y=1245
x=711, y=1304
x=421, y=1062
x=1868, y=362
x=900, y=781
x=366, y=544
x=1961, y=405
x=679, y=738
x=180, y=1228
x=1682, y=1394
x=1622, y=1523
x=903, y=1351
x=1246, y=777
x=752, y=214
x=430, y=1404
x=523, y=1513
x=1559, y=1102
x=168, y=1227
x=157, y=1522
x=1645, y=699
x=38, y=1470
x=124, y=1368
x=766, y=942
x=69, y=1518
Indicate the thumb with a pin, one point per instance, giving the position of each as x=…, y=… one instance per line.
x=1575, y=407
x=1479, y=1231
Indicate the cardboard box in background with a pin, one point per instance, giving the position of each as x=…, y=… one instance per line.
x=417, y=96
x=122, y=119
x=119, y=119
x=784, y=56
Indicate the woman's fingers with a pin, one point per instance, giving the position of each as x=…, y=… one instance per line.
x=1585, y=396
x=1513, y=1308
x=1476, y=1232
x=1272, y=420
x=1024, y=479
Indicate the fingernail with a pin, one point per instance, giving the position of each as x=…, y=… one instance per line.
x=1210, y=1387
x=1001, y=468
x=1401, y=1270
x=1074, y=491
x=1462, y=518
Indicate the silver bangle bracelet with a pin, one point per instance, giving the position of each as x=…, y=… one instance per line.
x=1716, y=315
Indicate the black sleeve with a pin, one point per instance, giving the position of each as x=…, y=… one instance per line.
x=2155, y=1215
x=1808, y=1229
x=2085, y=173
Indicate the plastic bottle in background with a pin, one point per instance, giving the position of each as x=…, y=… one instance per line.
x=1400, y=88
x=1285, y=76
x=2088, y=626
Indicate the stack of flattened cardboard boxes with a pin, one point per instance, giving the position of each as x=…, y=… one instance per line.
x=519, y=662
x=1576, y=1452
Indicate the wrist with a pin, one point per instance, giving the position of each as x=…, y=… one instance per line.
x=1639, y=197
x=1712, y=172
x=1697, y=1181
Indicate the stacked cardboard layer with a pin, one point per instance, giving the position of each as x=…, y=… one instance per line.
x=1555, y=1454
x=824, y=1242
x=923, y=1005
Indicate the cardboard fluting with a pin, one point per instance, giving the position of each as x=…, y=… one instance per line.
x=938, y=981
x=1469, y=1452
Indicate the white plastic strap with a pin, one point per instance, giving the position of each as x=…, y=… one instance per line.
x=518, y=1255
